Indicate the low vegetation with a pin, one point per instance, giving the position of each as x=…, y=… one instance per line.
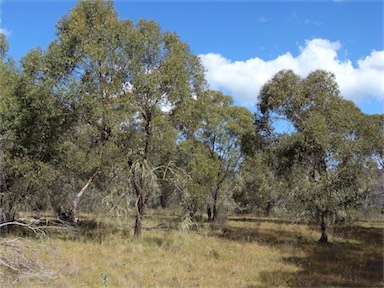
x=244, y=251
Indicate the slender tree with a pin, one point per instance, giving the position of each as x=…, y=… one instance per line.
x=89, y=68
x=214, y=150
x=163, y=74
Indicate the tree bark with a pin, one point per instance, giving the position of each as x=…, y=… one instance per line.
x=6, y=217
x=212, y=209
x=140, y=187
x=209, y=213
x=71, y=215
x=324, y=232
x=214, y=206
x=163, y=201
x=139, y=215
x=268, y=209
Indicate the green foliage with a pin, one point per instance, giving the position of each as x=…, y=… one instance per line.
x=4, y=46
x=262, y=190
x=327, y=159
x=211, y=152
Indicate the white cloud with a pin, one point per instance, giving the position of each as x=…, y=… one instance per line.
x=243, y=79
x=2, y=30
x=306, y=21
x=263, y=20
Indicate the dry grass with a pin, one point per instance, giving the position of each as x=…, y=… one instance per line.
x=244, y=252
x=353, y=258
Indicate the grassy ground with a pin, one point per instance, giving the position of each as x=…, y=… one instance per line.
x=243, y=252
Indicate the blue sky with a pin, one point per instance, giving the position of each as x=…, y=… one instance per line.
x=242, y=44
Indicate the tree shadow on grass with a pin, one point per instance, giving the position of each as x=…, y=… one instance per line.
x=354, y=261
x=256, y=220
x=340, y=265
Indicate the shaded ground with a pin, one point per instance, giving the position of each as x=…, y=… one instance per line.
x=353, y=259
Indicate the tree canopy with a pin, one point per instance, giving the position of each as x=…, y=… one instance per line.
x=328, y=157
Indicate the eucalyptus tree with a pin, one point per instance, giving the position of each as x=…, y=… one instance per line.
x=163, y=75
x=8, y=78
x=261, y=192
x=261, y=189
x=32, y=123
x=212, y=154
x=123, y=82
x=89, y=71
x=327, y=154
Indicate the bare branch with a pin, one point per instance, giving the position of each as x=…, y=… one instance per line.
x=37, y=230
x=22, y=258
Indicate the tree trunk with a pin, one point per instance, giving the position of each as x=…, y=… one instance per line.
x=324, y=232
x=209, y=213
x=163, y=201
x=138, y=226
x=268, y=209
x=71, y=215
x=212, y=210
x=6, y=217
x=214, y=206
x=140, y=187
x=139, y=215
